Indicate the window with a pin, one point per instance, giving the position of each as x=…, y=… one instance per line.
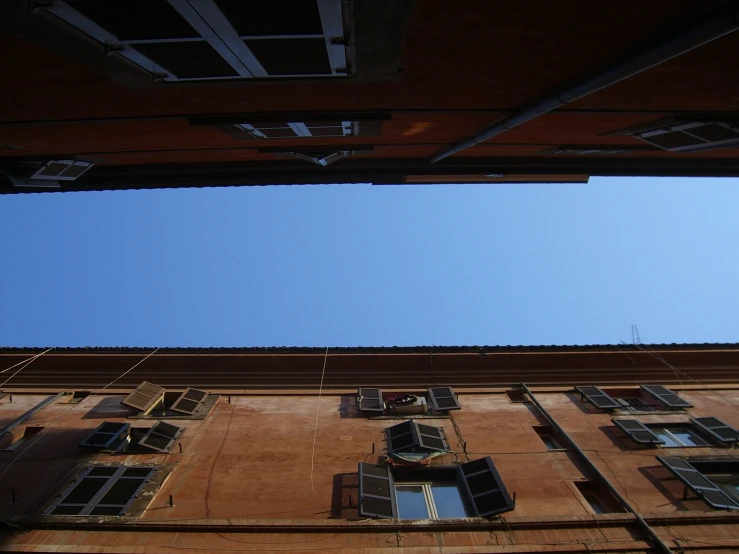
x=472, y=489
x=108, y=435
x=647, y=398
x=679, y=436
x=322, y=158
x=152, y=401
x=436, y=401
x=120, y=437
x=161, y=437
x=62, y=170
x=191, y=40
x=428, y=501
x=411, y=436
x=701, y=431
x=690, y=136
x=78, y=396
x=190, y=401
x=299, y=129
x=102, y=490
x=145, y=397
x=10, y=442
x=699, y=475
x=547, y=436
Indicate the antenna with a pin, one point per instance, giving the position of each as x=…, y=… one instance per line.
x=635, y=334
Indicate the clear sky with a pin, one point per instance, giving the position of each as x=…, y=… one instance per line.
x=351, y=265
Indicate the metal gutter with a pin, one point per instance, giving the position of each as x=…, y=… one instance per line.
x=37, y=408
x=661, y=545
x=715, y=25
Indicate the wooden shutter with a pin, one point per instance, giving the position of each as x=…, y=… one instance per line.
x=376, y=492
x=637, y=431
x=431, y=438
x=483, y=488
x=145, y=397
x=597, y=397
x=401, y=437
x=161, y=437
x=105, y=435
x=189, y=401
x=443, y=399
x=700, y=485
x=717, y=429
x=666, y=396
x=370, y=400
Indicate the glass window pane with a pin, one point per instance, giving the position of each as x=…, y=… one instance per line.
x=447, y=501
x=411, y=502
x=688, y=438
x=669, y=442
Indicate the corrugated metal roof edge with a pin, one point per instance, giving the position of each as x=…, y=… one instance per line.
x=374, y=349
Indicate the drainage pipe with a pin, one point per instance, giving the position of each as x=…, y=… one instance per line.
x=715, y=25
x=661, y=545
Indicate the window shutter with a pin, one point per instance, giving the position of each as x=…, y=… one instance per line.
x=105, y=435
x=666, y=396
x=189, y=401
x=409, y=436
x=637, y=431
x=376, y=492
x=443, y=399
x=161, y=437
x=700, y=485
x=401, y=437
x=145, y=397
x=431, y=438
x=598, y=398
x=483, y=488
x=717, y=429
x=370, y=400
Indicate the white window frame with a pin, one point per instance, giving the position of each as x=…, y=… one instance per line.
x=208, y=20
x=428, y=496
x=666, y=431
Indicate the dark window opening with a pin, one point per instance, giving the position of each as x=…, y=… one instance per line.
x=12, y=441
x=598, y=498
x=548, y=437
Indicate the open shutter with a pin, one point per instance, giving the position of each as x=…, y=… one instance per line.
x=598, y=398
x=700, y=485
x=370, y=400
x=483, y=488
x=666, y=396
x=189, y=401
x=145, y=397
x=443, y=399
x=161, y=437
x=431, y=438
x=717, y=429
x=376, y=492
x=401, y=437
x=637, y=431
x=105, y=435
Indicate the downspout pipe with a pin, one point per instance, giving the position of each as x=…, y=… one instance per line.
x=660, y=544
x=715, y=25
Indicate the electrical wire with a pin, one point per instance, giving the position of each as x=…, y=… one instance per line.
x=315, y=429
x=48, y=426
x=26, y=362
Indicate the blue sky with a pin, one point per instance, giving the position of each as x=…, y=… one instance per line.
x=349, y=265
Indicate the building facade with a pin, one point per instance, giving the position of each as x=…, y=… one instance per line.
x=482, y=449
x=128, y=94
